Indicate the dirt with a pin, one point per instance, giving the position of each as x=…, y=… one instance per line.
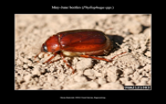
x=131, y=33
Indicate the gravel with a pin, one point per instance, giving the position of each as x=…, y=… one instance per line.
x=131, y=31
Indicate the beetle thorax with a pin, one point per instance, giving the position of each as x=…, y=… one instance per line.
x=53, y=44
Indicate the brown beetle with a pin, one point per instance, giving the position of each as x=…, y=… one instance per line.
x=84, y=43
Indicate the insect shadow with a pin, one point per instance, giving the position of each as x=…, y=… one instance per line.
x=116, y=39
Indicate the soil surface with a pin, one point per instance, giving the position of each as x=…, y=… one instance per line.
x=131, y=33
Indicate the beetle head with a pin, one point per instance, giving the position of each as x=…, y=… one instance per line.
x=51, y=45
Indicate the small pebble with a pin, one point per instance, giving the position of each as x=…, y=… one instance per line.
x=101, y=81
x=149, y=82
x=74, y=86
x=144, y=79
x=89, y=72
x=30, y=55
x=93, y=85
x=97, y=74
x=137, y=81
x=112, y=86
x=25, y=66
x=140, y=70
x=25, y=60
x=142, y=83
x=129, y=83
x=128, y=71
x=23, y=87
x=50, y=78
x=47, y=84
x=84, y=64
x=16, y=86
x=27, y=77
x=19, y=62
x=80, y=78
x=34, y=88
x=36, y=71
x=148, y=53
x=144, y=73
x=134, y=27
x=41, y=55
x=147, y=68
x=136, y=75
x=123, y=80
x=112, y=77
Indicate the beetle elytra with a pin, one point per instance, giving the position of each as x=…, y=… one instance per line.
x=85, y=43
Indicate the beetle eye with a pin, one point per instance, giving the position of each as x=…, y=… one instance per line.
x=44, y=48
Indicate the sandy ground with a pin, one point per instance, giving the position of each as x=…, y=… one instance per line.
x=131, y=32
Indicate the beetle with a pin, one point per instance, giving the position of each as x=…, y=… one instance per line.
x=87, y=43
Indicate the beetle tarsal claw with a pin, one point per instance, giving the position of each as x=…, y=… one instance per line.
x=36, y=61
x=73, y=71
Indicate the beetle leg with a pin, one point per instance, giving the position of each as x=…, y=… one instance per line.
x=50, y=58
x=37, y=56
x=54, y=61
x=73, y=71
x=87, y=56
